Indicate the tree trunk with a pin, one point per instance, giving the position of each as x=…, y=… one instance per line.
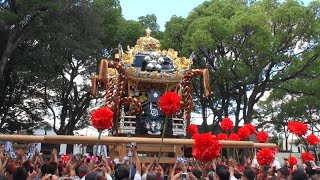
x=250, y=112
x=5, y=57
x=11, y=45
x=251, y=102
x=204, y=117
x=237, y=113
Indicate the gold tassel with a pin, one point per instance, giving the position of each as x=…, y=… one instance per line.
x=94, y=86
x=206, y=84
x=103, y=73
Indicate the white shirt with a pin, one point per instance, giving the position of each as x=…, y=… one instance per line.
x=276, y=163
x=137, y=177
x=108, y=176
x=233, y=178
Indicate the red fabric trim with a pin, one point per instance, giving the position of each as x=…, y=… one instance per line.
x=177, y=171
x=84, y=173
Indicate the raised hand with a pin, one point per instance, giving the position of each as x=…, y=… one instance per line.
x=54, y=151
x=2, y=150
x=20, y=152
x=133, y=147
x=36, y=152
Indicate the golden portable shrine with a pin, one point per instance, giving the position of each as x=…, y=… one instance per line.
x=133, y=86
x=135, y=83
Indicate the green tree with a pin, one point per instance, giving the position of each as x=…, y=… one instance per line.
x=174, y=33
x=149, y=21
x=67, y=96
x=17, y=22
x=47, y=76
x=297, y=99
x=110, y=12
x=128, y=32
x=250, y=49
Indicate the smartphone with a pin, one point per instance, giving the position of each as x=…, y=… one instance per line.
x=31, y=170
x=180, y=160
x=165, y=177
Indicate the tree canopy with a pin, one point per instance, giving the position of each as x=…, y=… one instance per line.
x=249, y=48
x=49, y=50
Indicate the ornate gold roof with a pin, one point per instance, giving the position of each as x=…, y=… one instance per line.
x=147, y=43
x=145, y=46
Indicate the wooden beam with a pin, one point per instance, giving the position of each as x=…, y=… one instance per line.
x=22, y=138
x=264, y=145
x=226, y=143
x=64, y=139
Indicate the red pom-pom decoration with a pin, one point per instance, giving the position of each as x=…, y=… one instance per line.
x=169, y=103
x=234, y=137
x=193, y=129
x=244, y=133
x=251, y=128
x=206, y=147
x=292, y=161
x=65, y=158
x=298, y=128
x=312, y=139
x=101, y=118
x=227, y=124
x=307, y=157
x=222, y=136
x=262, y=137
x=265, y=156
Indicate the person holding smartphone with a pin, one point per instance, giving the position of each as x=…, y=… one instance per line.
x=133, y=147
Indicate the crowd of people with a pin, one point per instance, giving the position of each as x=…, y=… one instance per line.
x=84, y=167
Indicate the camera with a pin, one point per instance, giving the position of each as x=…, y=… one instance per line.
x=180, y=160
x=131, y=145
x=184, y=175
